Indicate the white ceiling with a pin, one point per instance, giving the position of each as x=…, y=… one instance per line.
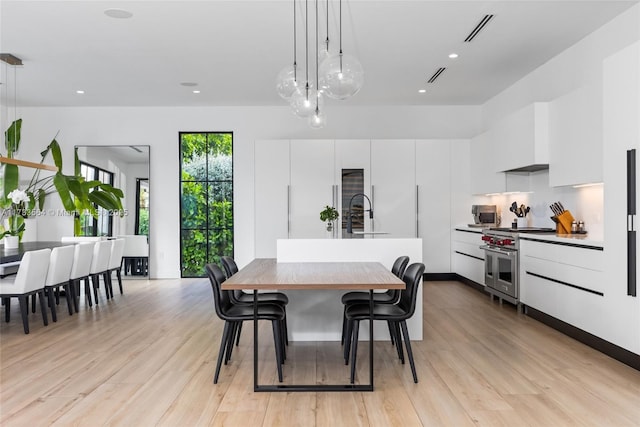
x=234, y=49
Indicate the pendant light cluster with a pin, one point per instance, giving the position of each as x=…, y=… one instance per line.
x=338, y=76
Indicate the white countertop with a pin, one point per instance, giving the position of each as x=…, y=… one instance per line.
x=580, y=239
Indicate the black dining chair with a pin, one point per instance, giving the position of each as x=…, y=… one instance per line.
x=234, y=315
x=389, y=297
x=396, y=314
x=240, y=297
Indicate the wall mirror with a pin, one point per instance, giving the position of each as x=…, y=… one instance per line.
x=125, y=167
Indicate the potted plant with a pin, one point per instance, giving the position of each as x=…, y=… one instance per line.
x=76, y=194
x=329, y=214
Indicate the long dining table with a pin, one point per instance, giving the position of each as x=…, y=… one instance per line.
x=268, y=274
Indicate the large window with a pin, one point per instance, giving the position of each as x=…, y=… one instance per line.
x=103, y=225
x=142, y=206
x=206, y=200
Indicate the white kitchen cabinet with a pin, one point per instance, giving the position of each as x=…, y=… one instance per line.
x=566, y=282
x=467, y=259
x=575, y=137
x=271, y=174
x=433, y=188
x=393, y=184
x=621, y=132
x=522, y=138
x=485, y=178
x=312, y=186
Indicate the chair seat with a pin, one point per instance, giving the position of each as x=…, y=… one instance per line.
x=363, y=298
x=238, y=313
x=391, y=312
x=264, y=297
x=7, y=286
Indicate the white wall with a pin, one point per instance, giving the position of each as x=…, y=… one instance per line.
x=158, y=127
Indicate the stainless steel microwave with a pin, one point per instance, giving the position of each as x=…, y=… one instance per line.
x=485, y=214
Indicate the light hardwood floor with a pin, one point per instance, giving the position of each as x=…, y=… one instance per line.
x=147, y=358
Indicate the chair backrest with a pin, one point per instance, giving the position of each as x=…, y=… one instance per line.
x=408, y=296
x=82, y=256
x=101, y=254
x=400, y=265
x=221, y=298
x=135, y=246
x=115, y=258
x=32, y=271
x=230, y=266
x=60, y=264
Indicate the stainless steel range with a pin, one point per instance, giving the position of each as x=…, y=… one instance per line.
x=501, y=261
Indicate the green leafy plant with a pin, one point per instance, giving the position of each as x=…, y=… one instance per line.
x=328, y=214
x=76, y=194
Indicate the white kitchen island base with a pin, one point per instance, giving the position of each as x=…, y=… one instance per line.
x=317, y=315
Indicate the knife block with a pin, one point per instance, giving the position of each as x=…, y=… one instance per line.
x=563, y=222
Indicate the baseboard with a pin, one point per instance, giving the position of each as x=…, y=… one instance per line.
x=623, y=355
x=438, y=277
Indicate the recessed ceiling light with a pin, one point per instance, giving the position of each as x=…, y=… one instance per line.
x=196, y=91
x=118, y=13
x=453, y=55
x=189, y=84
x=422, y=90
x=80, y=92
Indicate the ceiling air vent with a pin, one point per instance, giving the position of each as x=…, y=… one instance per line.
x=436, y=74
x=472, y=35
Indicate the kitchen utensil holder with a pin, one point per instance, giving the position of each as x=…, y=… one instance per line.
x=563, y=222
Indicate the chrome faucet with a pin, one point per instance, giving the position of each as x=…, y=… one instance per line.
x=349, y=217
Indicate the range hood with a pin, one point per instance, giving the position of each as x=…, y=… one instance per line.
x=530, y=168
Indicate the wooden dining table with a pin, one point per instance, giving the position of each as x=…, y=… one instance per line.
x=268, y=274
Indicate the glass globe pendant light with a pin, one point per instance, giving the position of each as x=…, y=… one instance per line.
x=287, y=80
x=318, y=119
x=342, y=75
x=303, y=97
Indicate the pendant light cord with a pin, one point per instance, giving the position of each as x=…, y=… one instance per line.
x=295, y=63
x=306, y=40
x=317, y=79
x=327, y=40
x=340, y=36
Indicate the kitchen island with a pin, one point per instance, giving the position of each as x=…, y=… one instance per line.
x=317, y=315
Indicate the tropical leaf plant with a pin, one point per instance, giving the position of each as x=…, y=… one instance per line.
x=76, y=194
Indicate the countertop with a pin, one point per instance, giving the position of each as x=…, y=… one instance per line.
x=576, y=239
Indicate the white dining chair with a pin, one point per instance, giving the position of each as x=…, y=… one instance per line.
x=80, y=270
x=58, y=274
x=28, y=281
x=99, y=265
x=136, y=254
x=115, y=265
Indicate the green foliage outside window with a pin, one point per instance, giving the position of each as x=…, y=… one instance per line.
x=207, y=200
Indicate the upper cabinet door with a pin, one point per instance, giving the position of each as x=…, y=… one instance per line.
x=485, y=177
x=271, y=185
x=393, y=187
x=575, y=127
x=312, y=186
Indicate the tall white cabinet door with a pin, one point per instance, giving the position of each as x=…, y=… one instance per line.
x=351, y=154
x=393, y=187
x=271, y=158
x=312, y=186
x=433, y=186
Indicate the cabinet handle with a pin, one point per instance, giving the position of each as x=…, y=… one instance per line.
x=288, y=211
x=417, y=211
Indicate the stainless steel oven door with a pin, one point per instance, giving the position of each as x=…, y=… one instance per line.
x=501, y=270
